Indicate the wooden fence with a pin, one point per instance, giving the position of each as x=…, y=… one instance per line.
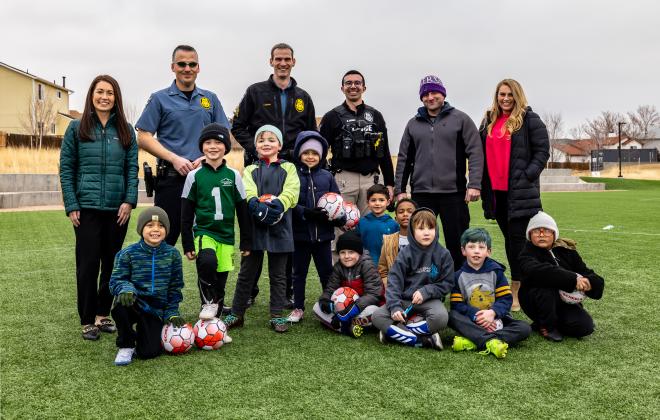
x=24, y=140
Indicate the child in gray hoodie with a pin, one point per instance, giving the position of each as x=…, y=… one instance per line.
x=419, y=280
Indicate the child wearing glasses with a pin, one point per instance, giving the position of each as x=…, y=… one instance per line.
x=555, y=280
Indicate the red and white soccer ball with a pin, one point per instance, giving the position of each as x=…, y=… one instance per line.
x=343, y=298
x=352, y=215
x=210, y=333
x=177, y=340
x=267, y=198
x=333, y=203
x=572, y=298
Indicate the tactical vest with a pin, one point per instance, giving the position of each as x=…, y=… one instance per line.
x=359, y=136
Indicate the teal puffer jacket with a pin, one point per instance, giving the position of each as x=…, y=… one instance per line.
x=99, y=174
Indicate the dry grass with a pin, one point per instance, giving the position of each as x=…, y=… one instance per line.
x=646, y=171
x=23, y=160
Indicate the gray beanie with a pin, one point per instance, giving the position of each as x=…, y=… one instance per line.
x=153, y=213
x=542, y=220
x=270, y=128
x=311, y=144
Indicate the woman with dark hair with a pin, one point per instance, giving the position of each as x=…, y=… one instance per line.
x=516, y=149
x=98, y=175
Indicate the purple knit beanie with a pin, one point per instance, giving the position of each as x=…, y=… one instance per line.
x=431, y=83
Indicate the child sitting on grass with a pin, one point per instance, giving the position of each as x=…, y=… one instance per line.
x=376, y=223
x=419, y=280
x=358, y=272
x=146, y=281
x=548, y=266
x=395, y=242
x=481, y=300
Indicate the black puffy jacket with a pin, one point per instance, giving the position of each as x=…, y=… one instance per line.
x=530, y=150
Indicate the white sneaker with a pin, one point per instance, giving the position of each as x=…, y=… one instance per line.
x=124, y=356
x=227, y=339
x=209, y=311
x=296, y=315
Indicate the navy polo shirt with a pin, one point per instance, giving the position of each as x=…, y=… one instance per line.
x=177, y=121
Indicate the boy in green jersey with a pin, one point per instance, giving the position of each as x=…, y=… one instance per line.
x=212, y=195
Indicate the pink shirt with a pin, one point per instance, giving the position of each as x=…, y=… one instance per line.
x=498, y=154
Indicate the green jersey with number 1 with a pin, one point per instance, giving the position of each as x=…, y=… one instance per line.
x=214, y=194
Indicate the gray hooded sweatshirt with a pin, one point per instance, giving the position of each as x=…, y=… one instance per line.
x=429, y=269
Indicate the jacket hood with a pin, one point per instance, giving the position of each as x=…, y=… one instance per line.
x=411, y=232
x=489, y=265
x=424, y=114
x=302, y=137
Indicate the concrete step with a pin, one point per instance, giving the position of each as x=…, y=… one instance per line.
x=546, y=179
x=573, y=187
x=29, y=182
x=12, y=199
x=557, y=172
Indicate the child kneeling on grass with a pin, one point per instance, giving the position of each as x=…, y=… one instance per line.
x=146, y=281
x=419, y=280
x=550, y=266
x=358, y=272
x=481, y=300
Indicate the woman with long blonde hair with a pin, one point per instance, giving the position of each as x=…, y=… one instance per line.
x=516, y=149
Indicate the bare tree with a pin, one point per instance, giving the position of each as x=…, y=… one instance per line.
x=577, y=132
x=600, y=127
x=642, y=121
x=554, y=123
x=131, y=112
x=38, y=118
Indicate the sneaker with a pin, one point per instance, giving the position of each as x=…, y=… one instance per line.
x=124, y=356
x=432, y=341
x=279, y=324
x=296, y=315
x=209, y=311
x=90, y=332
x=227, y=339
x=462, y=343
x=106, y=325
x=226, y=310
x=497, y=348
x=356, y=329
x=382, y=337
x=233, y=321
x=552, y=335
x=289, y=303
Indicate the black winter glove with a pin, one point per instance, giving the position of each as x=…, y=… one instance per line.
x=327, y=306
x=126, y=299
x=317, y=214
x=339, y=222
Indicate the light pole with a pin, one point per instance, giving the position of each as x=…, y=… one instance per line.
x=619, y=124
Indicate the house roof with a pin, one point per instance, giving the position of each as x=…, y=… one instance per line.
x=33, y=77
x=570, y=149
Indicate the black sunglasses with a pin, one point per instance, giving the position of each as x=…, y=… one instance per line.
x=183, y=64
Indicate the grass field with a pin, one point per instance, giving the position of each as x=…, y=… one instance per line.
x=48, y=371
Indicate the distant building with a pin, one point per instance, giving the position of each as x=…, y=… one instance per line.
x=18, y=89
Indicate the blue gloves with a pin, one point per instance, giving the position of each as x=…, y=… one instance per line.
x=266, y=213
x=348, y=313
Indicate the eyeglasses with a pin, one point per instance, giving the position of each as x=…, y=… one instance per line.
x=183, y=64
x=542, y=231
x=356, y=83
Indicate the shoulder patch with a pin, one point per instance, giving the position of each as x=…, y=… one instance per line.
x=205, y=102
x=299, y=105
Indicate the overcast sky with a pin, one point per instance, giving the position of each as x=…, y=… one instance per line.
x=573, y=57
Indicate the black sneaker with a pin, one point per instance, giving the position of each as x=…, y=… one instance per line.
x=226, y=310
x=432, y=341
x=233, y=321
x=279, y=324
x=552, y=335
x=91, y=332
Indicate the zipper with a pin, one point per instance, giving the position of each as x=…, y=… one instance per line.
x=316, y=226
x=153, y=270
x=104, y=145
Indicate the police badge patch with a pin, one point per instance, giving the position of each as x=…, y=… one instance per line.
x=205, y=103
x=369, y=116
x=299, y=105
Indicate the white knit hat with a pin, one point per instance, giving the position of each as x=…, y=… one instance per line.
x=542, y=220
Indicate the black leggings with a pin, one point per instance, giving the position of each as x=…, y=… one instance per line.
x=514, y=232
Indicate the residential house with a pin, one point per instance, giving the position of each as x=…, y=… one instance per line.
x=25, y=97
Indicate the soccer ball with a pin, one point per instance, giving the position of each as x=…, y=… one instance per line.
x=267, y=198
x=572, y=298
x=210, y=333
x=177, y=340
x=352, y=215
x=343, y=298
x=333, y=203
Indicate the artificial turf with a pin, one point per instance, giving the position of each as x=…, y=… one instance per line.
x=48, y=371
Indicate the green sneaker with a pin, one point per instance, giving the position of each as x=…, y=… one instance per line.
x=233, y=321
x=462, y=343
x=356, y=329
x=497, y=348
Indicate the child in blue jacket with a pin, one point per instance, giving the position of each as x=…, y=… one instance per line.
x=312, y=230
x=146, y=281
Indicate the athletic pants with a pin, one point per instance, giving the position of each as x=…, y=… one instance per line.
x=433, y=310
x=513, y=331
x=146, y=339
x=277, y=273
x=304, y=252
x=168, y=197
x=98, y=239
